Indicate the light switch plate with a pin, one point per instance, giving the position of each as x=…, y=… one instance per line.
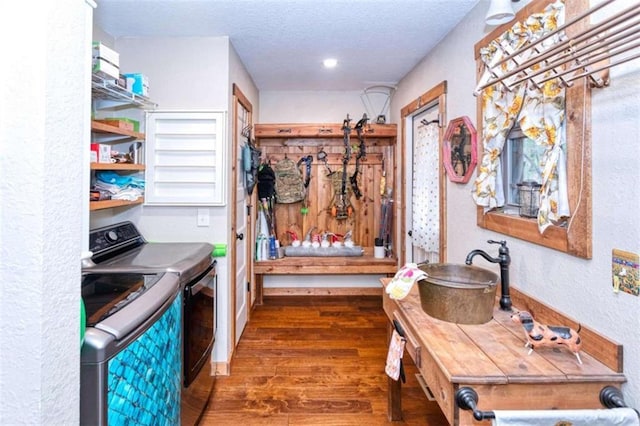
x=625, y=272
x=203, y=217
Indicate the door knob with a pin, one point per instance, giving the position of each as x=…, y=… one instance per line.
x=410, y=233
x=239, y=236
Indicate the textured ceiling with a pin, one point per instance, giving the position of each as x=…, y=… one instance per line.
x=283, y=42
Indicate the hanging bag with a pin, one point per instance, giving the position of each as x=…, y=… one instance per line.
x=289, y=182
x=266, y=181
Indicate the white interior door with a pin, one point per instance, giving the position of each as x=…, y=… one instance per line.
x=242, y=236
x=242, y=292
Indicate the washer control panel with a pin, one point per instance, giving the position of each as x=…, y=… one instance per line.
x=114, y=236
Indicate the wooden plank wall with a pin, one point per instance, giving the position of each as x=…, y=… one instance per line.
x=364, y=222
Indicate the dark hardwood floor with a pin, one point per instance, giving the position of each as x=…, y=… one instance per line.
x=315, y=360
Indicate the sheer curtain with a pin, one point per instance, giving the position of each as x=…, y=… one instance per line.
x=426, y=205
x=540, y=112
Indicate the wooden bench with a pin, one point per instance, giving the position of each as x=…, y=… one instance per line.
x=492, y=359
x=356, y=265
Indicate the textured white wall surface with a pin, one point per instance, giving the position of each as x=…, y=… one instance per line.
x=577, y=287
x=43, y=133
x=309, y=106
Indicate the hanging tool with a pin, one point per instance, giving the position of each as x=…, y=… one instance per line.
x=383, y=180
x=322, y=156
x=305, y=201
x=361, y=154
x=384, y=231
x=342, y=212
x=307, y=161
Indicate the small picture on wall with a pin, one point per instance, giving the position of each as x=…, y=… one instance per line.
x=626, y=272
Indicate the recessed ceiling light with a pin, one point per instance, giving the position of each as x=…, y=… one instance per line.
x=330, y=63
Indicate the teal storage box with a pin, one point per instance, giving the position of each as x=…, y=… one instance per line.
x=137, y=83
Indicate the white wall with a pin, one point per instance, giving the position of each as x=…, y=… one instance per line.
x=579, y=288
x=192, y=73
x=44, y=128
x=309, y=106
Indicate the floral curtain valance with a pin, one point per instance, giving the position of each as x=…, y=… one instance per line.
x=539, y=111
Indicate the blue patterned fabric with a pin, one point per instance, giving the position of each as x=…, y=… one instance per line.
x=145, y=378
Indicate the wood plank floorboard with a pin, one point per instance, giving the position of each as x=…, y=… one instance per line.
x=315, y=360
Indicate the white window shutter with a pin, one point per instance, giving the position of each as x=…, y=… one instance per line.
x=185, y=158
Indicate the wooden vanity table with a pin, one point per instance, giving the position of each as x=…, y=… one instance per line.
x=492, y=359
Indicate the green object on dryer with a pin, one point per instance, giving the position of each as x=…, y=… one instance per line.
x=219, y=250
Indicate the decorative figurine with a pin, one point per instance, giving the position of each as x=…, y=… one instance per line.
x=324, y=242
x=307, y=238
x=539, y=336
x=348, y=240
x=315, y=240
x=295, y=242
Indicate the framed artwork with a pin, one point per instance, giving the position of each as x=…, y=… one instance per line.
x=460, y=152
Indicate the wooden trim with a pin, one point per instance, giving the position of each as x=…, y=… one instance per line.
x=239, y=100
x=437, y=93
x=242, y=99
x=319, y=130
x=425, y=99
x=221, y=368
x=576, y=238
x=231, y=315
x=525, y=229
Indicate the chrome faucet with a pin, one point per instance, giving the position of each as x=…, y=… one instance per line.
x=504, y=260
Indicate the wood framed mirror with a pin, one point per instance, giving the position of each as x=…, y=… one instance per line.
x=459, y=151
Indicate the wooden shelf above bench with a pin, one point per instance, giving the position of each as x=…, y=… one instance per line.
x=321, y=130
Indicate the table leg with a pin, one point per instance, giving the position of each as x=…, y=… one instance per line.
x=259, y=283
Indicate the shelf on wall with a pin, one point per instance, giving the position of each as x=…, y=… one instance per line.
x=99, y=127
x=107, y=204
x=107, y=94
x=117, y=166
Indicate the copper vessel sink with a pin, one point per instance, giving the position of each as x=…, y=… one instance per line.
x=463, y=294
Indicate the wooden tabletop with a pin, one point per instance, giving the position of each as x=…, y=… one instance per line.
x=494, y=352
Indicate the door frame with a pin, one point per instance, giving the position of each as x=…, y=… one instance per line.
x=436, y=94
x=239, y=99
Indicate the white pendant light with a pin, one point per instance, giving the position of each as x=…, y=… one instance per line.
x=500, y=11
